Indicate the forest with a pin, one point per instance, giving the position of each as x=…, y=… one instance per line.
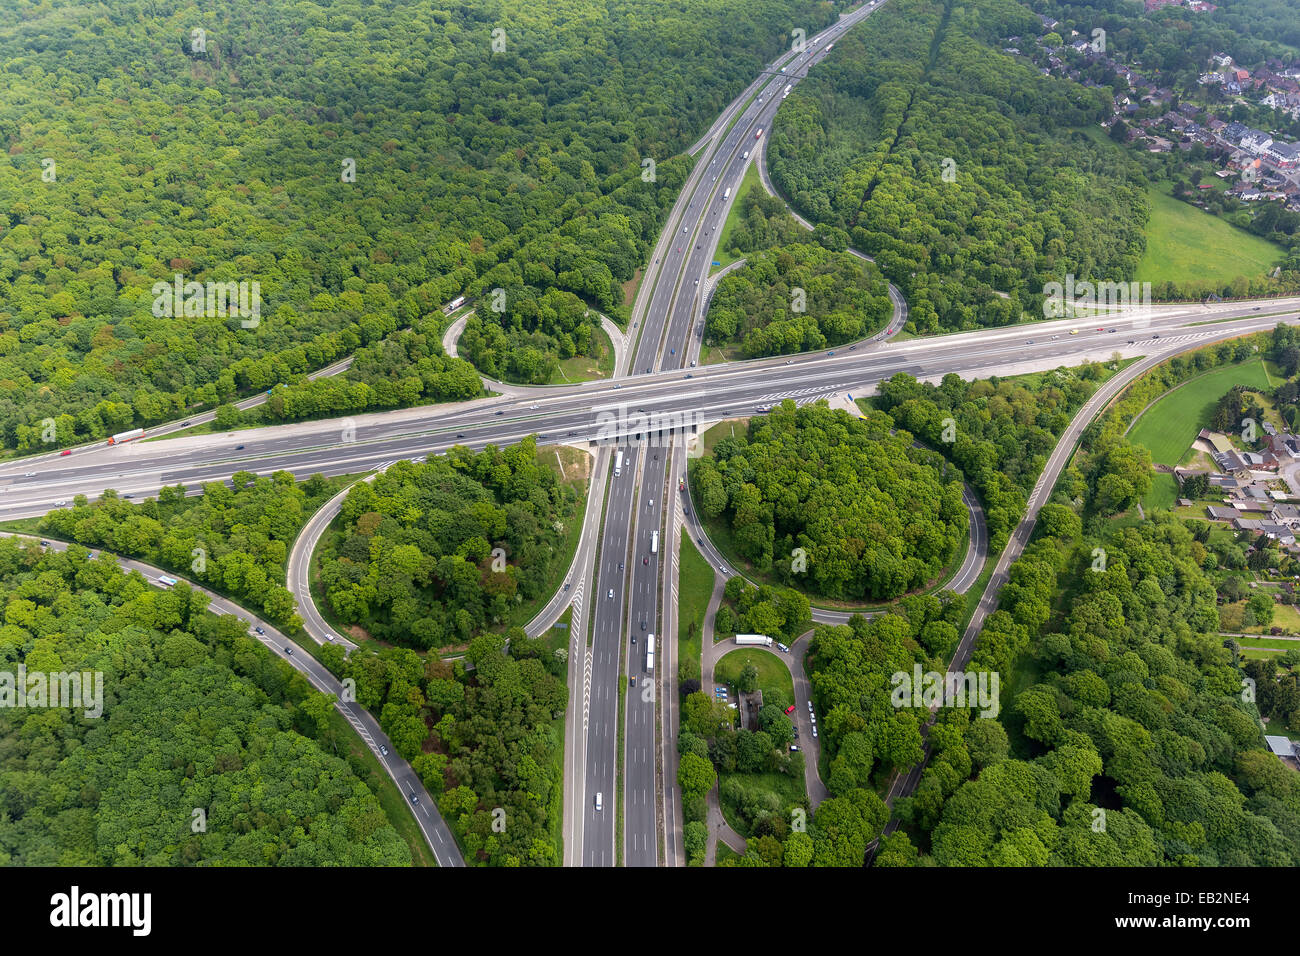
x=429, y=555
x=797, y=298
x=363, y=162
x=964, y=173
x=837, y=505
x=485, y=733
x=999, y=432
x=232, y=538
x=209, y=751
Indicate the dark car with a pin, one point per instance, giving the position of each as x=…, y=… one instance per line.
x=239, y=448
x=259, y=630
x=288, y=650
x=460, y=434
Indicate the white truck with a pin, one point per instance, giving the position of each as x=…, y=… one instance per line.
x=650, y=653
x=760, y=640
x=726, y=193
x=618, y=465
x=654, y=542
x=126, y=436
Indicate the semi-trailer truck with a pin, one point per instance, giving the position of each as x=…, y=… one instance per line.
x=650, y=653
x=758, y=639
x=126, y=436
x=726, y=193
x=654, y=542
x=618, y=465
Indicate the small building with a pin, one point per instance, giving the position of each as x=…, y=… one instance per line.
x=1219, y=513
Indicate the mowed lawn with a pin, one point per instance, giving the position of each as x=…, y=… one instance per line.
x=1184, y=243
x=1169, y=427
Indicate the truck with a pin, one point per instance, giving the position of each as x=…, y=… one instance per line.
x=760, y=640
x=650, y=653
x=454, y=304
x=726, y=193
x=127, y=435
x=829, y=47
x=654, y=542
x=166, y=582
x=759, y=133
x=788, y=88
x=618, y=465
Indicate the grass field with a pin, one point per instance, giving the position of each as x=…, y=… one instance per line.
x=1163, y=493
x=1185, y=241
x=694, y=590
x=1169, y=427
x=751, y=181
x=773, y=676
x=584, y=368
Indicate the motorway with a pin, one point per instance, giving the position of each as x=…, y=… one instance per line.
x=652, y=416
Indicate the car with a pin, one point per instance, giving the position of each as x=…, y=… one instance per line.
x=689, y=375
x=66, y=451
x=697, y=281
x=782, y=648
x=566, y=585
x=1156, y=336
x=789, y=361
x=790, y=709
x=1074, y=331
x=1100, y=329
x=852, y=347
x=498, y=412
x=645, y=560
x=90, y=556
x=647, y=369
x=617, y=385
x=679, y=248
x=633, y=680
x=383, y=750
x=258, y=630
x=685, y=229
x=1055, y=337
x=633, y=638
x=1132, y=342
x=288, y=650
x=620, y=565
x=830, y=353
x=692, y=365
x=1112, y=330
x=60, y=503
x=460, y=434
x=1029, y=342
x=810, y=710
x=1256, y=308
x=239, y=448
x=814, y=731
x=600, y=801
x=128, y=495
x=30, y=474
x=184, y=424
x=724, y=570
x=45, y=543
x=610, y=594
x=415, y=798
x=794, y=748
x=643, y=625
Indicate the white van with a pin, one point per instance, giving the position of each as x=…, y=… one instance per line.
x=600, y=800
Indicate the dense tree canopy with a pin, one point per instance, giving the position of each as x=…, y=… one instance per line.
x=874, y=515
x=363, y=162
x=197, y=716
x=430, y=554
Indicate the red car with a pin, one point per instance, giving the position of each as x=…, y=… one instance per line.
x=790, y=709
x=66, y=451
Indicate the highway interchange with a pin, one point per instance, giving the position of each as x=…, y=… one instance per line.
x=652, y=413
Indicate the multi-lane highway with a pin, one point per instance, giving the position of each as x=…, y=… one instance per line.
x=636, y=427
